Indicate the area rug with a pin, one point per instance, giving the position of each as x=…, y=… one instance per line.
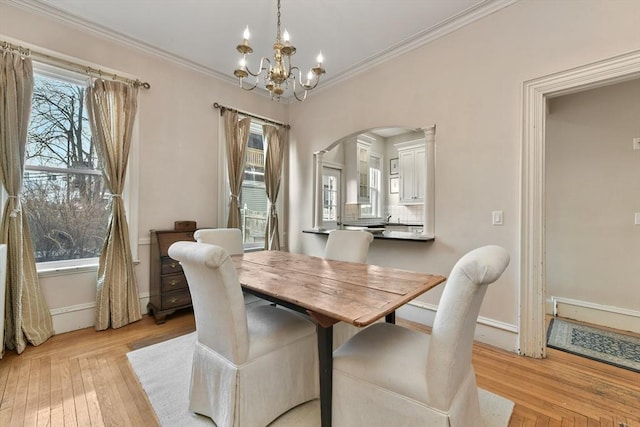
x=164, y=370
x=595, y=343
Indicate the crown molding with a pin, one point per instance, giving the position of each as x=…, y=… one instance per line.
x=56, y=14
x=466, y=17
x=426, y=36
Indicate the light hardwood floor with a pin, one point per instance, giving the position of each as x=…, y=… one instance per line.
x=83, y=378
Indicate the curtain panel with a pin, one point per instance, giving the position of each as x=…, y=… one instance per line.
x=277, y=139
x=237, y=136
x=112, y=110
x=27, y=317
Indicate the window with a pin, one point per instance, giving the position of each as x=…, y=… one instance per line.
x=64, y=193
x=253, y=197
x=63, y=190
x=331, y=196
x=373, y=208
x=253, y=201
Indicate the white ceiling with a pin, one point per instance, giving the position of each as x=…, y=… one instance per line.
x=352, y=34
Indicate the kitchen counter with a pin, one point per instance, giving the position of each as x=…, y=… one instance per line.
x=386, y=235
x=383, y=224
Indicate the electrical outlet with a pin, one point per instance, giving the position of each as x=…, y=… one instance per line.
x=636, y=219
x=636, y=143
x=496, y=218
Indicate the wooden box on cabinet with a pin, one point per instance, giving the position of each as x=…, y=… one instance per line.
x=168, y=286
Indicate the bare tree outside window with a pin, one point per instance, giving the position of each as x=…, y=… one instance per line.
x=64, y=193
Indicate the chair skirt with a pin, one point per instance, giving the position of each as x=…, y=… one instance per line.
x=379, y=379
x=257, y=392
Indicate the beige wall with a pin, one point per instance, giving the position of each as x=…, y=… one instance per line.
x=469, y=84
x=593, y=191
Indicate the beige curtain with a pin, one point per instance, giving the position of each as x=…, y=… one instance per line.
x=112, y=110
x=27, y=316
x=236, y=135
x=276, y=142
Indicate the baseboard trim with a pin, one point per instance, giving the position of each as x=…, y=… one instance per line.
x=488, y=331
x=80, y=316
x=599, y=314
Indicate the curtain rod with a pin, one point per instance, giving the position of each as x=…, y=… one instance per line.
x=223, y=108
x=52, y=60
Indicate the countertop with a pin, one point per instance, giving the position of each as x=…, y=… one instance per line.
x=383, y=224
x=387, y=235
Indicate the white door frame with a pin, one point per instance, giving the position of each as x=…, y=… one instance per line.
x=532, y=203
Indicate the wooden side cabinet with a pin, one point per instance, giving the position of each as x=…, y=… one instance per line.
x=168, y=286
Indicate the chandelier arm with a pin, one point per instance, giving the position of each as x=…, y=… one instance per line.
x=261, y=69
x=249, y=88
x=295, y=93
x=306, y=87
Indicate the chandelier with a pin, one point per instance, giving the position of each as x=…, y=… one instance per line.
x=278, y=73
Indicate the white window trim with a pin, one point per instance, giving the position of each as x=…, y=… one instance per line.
x=129, y=195
x=377, y=210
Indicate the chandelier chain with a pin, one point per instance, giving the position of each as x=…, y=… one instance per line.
x=278, y=39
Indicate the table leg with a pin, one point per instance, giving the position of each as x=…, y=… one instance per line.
x=391, y=317
x=325, y=359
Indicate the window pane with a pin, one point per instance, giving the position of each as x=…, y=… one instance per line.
x=372, y=209
x=253, y=198
x=64, y=192
x=329, y=196
x=67, y=213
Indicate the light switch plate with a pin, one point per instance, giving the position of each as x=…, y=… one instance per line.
x=496, y=218
x=636, y=143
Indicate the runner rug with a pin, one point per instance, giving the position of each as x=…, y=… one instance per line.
x=164, y=371
x=595, y=343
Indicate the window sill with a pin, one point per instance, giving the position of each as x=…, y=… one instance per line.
x=63, y=271
x=70, y=269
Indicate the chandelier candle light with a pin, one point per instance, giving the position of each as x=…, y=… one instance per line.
x=280, y=74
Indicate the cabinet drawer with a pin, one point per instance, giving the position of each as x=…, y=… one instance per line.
x=176, y=299
x=170, y=266
x=173, y=282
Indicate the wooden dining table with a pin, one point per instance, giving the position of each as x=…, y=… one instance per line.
x=330, y=292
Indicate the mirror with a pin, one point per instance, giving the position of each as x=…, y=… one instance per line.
x=380, y=177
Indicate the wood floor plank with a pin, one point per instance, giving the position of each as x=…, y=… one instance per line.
x=138, y=401
x=20, y=399
x=11, y=365
x=107, y=397
x=90, y=381
x=90, y=394
x=83, y=393
x=56, y=413
x=43, y=415
x=68, y=400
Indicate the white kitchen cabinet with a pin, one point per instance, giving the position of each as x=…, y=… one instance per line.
x=357, y=154
x=412, y=168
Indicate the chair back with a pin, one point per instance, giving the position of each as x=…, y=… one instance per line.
x=348, y=245
x=451, y=343
x=216, y=295
x=228, y=238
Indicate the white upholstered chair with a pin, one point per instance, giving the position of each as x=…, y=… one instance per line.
x=231, y=240
x=250, y=365
x=348, y=245
x=390, y=375
x=353, y=246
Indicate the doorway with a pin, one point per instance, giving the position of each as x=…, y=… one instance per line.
x=532, y=242
x=331, y=197
x=592, y=175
